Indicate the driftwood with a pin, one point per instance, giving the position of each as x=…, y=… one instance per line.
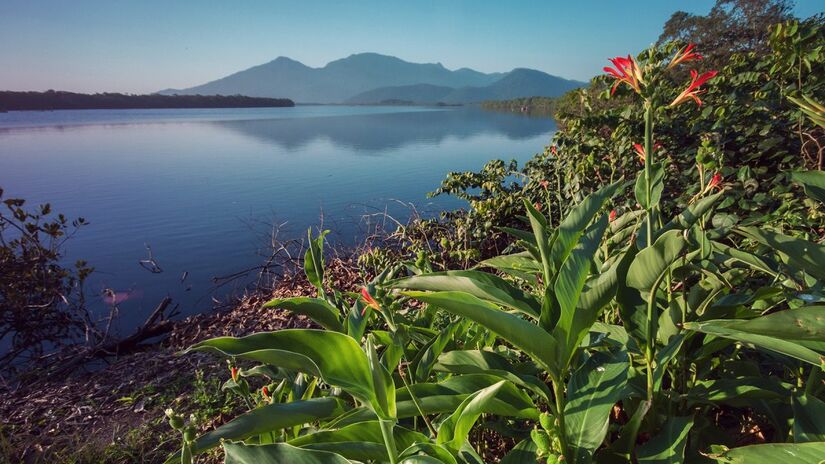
x=157, y=324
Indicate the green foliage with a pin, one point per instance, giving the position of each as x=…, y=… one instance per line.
x=654, y=335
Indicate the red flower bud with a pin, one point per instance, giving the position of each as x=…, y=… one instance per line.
x=234, y=372
x=612, y=216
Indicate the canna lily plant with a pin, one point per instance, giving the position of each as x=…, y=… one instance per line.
x=598, y=337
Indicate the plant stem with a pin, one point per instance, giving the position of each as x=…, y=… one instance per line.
x=389, y=439
x=648, y=167
x=558, y=393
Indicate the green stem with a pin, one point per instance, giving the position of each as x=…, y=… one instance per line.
x=558, y=392
x=649, y=167
x=389, y=439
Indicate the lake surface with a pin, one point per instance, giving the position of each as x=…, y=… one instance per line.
x=202, y=187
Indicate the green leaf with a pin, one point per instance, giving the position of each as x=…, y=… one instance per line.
x=690, y=215
x=317, y=309
x=753, y=334
x=523, y=453
x=431, y=352
x=488, y=362
x=383, y=383
x=446, y=396
x=334, y=357
x=801, y=254
x=357, y=441
x=813, y=182
x=483, y=285
x=652, y=262
x=808, y=419
x=543, y=242
x=657, y=186
x=454, y=430
x=574, y=321
x=522, y=262
x=277, y=453
x=314, y=260
x=774, y=453
x=271, y=417
x=669, y=445
x=591, y=393
x=574, y=224
x=431, y=451
x=528, y=337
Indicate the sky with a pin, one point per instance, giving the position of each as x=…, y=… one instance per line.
x=143, y=46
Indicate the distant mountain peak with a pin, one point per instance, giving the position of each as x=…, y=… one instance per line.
x=346, y=78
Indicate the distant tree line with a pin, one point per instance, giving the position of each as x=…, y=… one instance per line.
x=59, y=100
x=533, y=106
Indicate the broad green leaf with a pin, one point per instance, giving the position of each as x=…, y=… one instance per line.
x=277, y=453
x=760, y=263
x=454, y=430
x=657, y=186
x=575, y=223
x=271, y=417
x=652, y=262
x=591, y=393
x=334, y=357
x=690, y=215
x=774, y=453
x=813, y=182
x=600, y=289
x=523, y=453
x=357, y=441
x=790, y=348
x=668, y=447
x=317, y=309
x=528, y=337
x=804, y=323
x=739, y=391
x=483, y=285
x=488, y=362
x=575, y=321
x=801, y=254
x=808, y=419
x=430, y=450
x=446, y=396
x=522, y=262
x=430, y=353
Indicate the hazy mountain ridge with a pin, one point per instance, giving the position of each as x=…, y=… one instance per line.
x=372, y=78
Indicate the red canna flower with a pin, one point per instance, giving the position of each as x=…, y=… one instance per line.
x=365, y=294
x=234, y=372
x=612, y=216
x=627, y=71
x=545, y=183
x=265, y=393
x=537, y=205
x=553, y=150
x=693, y=90
x=684, y=55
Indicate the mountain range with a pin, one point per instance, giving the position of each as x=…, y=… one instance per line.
x=366, y=78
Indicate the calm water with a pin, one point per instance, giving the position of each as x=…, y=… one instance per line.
x=201, y=186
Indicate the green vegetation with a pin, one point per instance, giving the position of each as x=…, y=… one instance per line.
x=57, y=100
x=647, y=289
x=532, y=106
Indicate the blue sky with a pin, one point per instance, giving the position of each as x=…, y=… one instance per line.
x=147, y=45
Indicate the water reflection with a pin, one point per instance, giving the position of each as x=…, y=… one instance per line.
x=381, y=132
